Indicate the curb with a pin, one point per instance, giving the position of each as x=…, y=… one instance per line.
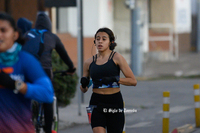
x=188, y=128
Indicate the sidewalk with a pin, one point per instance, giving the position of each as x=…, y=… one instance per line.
x=68, y=116
x=187, y=65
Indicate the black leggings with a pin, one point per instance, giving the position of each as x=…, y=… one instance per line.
x=108, y=113
x=48, y=108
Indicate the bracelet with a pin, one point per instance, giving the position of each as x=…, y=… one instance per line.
x=18, y=86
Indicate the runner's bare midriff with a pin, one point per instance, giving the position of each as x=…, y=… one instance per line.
x=105, y=91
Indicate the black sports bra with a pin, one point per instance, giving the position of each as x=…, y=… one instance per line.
x=97, y=72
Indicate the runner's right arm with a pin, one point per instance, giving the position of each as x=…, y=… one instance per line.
x=39, y=87
x=85, y=80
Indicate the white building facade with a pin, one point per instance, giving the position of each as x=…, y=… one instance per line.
x=115, y=15
x=106, y=13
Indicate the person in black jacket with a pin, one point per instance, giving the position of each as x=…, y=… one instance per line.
x=51, y=41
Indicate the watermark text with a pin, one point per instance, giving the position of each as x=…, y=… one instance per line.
x=113, y=110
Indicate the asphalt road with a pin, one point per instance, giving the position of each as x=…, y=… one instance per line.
x=147, y=99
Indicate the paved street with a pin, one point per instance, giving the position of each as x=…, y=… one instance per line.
x=146, y=98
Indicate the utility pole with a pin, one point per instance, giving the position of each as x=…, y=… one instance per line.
x=198, y=26
x=80, y=51
x=136, y=59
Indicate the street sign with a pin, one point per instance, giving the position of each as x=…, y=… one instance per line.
x=60, y=3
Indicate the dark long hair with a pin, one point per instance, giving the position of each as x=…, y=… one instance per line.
x=7, y=17
x=111, y=37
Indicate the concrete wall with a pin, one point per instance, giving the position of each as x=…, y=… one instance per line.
x=96, y=14
x=72, y=20
x=162, y=11
x=122, y=26
x=105, y=12
x=90, y=17
x=63, y=21
x=184, y=42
